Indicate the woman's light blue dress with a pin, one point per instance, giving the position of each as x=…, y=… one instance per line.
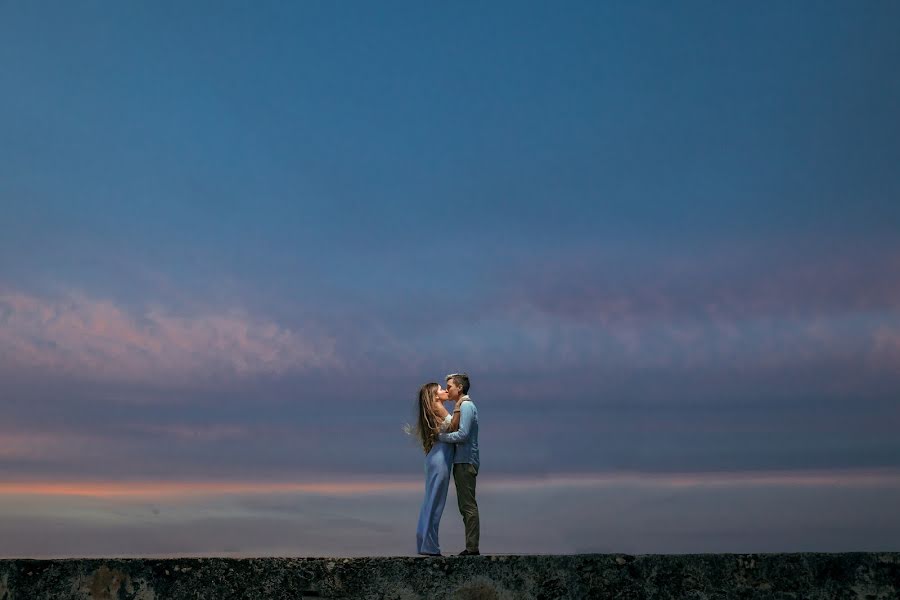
x=438, y=464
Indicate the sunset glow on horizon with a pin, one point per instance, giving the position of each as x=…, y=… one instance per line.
x=344, y=488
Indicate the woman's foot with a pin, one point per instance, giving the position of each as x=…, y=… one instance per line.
x=430, y=554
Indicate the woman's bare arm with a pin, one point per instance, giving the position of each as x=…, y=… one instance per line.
x=454, y=424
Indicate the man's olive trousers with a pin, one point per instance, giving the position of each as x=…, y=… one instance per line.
x=464, y=475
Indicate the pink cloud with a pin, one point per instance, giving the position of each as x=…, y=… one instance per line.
x=765, y=307
x=885, y=352
x=775, y=278
x=97, y=338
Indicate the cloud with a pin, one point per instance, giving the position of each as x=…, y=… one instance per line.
x=206, y=432
x=760, y=308
x=98, y=339
x=45, y=446
x=886, y=348
x=728, y=282
x=569, y=308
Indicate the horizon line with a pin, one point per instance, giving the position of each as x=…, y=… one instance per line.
x=357, y=486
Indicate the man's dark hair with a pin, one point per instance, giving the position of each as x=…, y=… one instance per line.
x=461, y=380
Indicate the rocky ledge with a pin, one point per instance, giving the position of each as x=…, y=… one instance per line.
x=863, y=576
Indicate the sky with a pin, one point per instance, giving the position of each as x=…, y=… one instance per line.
x=663, y=241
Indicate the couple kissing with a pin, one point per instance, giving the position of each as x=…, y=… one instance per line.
x=450, y=442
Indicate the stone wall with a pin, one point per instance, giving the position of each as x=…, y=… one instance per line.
x=863, y=576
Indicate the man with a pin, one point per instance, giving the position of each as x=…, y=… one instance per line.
x=465, y=462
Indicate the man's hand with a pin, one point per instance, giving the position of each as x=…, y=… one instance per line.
x=456, y=422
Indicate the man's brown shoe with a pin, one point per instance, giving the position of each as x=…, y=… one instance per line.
x=467, y=553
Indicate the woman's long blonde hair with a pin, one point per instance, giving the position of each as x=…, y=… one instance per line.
x=429, y=420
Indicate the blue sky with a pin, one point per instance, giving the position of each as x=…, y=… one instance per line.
x=662, y=240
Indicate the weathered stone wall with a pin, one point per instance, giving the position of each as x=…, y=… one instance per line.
x=863, y=576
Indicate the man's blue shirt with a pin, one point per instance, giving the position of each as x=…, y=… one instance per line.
x=466, y=439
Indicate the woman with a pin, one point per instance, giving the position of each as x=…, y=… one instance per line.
x=433, y=419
